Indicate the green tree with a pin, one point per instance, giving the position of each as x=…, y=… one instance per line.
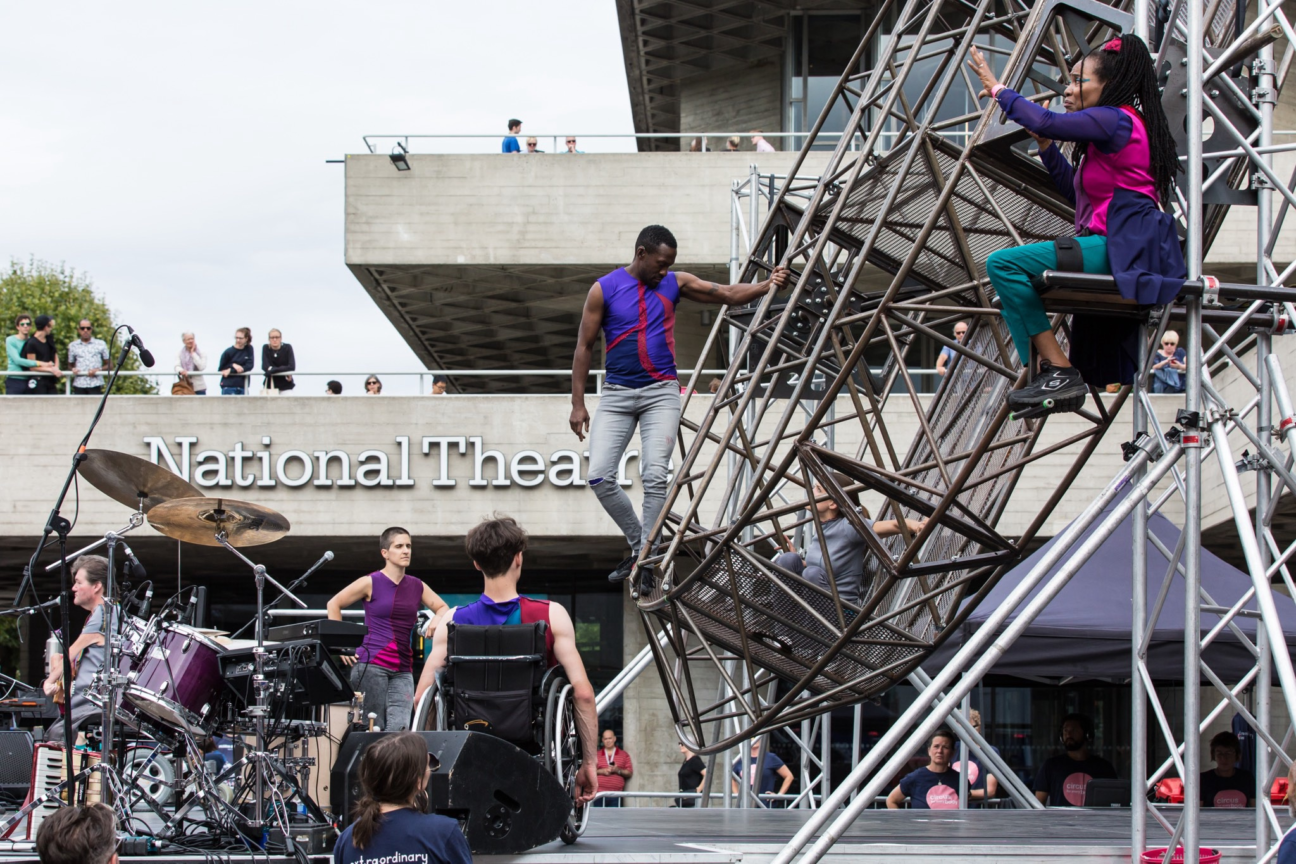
x=40, y=288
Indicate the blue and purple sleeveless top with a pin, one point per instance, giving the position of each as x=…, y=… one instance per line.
x=639, y=329
x=390, y=615
x=485, y=612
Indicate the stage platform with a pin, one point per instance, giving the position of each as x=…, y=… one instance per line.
x=670, y=836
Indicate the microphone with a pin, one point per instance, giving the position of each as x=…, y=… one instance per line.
x=146, y=356
x=133, y=564
x=146, y=605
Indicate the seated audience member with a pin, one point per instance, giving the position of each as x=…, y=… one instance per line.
x=276, y=360
x=982, y=785
x=772, y=767
x=373, y=387
x=1287, y=848
x=235, y=362
x=189, y=362
x=1227, y=785
x=1062, y=779
x=391, y=822
x=333, y=388
x=495, y=547
x=78, y=835
x=846, y=546
x=934, y=787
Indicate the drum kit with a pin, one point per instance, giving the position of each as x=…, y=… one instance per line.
x=162, y=679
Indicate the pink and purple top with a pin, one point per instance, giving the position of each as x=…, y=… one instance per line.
x=390, y=615
x=1117, y=155
x=639, y=329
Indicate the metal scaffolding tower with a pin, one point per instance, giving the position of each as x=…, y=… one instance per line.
x=888, y=243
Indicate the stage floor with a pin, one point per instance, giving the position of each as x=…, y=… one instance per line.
x=670, y=836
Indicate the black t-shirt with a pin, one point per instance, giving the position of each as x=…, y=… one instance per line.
x=418, y=838
x=690, y=774
x=928, y=790
x=46, y=353
x=1235, y=791
x=1065, y=779
x=278, y=361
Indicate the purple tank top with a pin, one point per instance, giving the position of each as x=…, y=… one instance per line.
x=1129, y=168
x=390, y=615
x=639, y=329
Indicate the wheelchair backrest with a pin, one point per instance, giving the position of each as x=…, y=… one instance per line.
x=492, y=679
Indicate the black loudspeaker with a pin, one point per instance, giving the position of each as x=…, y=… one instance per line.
x=16, y=750
x=504, y=798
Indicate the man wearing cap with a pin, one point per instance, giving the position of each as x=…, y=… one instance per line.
x=40, y=347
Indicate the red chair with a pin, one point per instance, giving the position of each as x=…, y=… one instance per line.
x=1278, y=794
x=1170, y=790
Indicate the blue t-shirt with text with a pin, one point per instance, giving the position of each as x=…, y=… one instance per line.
x=928, y=790
x=407, y=837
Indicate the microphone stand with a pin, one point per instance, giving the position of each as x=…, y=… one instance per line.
x=288, y=592
x=58, y=524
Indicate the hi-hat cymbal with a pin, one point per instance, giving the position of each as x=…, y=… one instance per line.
x=131, y=481
x=197, y=520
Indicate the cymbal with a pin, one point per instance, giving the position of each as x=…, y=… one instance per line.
x=131, y=481
x=196, y=520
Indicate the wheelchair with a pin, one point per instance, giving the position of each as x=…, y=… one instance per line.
x=496, y=680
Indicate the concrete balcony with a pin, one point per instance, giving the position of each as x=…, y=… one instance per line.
x=484, y=260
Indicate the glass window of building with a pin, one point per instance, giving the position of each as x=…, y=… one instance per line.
x=819, y=50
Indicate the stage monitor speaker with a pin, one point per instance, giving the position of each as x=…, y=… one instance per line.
x=505, y=799
x=16, y=750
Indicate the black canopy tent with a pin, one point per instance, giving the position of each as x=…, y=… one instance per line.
x=1085, y=632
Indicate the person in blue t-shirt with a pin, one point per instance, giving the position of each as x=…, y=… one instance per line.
x=510, y=144
x=948, y=354
x=934, y=787
x=773, y=770
x=389, y=819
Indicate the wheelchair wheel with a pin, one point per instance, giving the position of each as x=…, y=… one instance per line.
x=562, y=751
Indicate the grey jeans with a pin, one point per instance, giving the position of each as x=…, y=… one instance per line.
x=387, y=694
x=656, y=411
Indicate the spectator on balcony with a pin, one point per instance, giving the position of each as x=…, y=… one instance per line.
x=439, y=384
x=948, y=354
x=510, y=144
x=373, y=387
x=235, y=363
x=276, y=360
x=696, y=146
x=1167, y=372
x=531, y=146
x=333, y=388
x=87, y=358
x=1227, y=785
x=758, y=139
x=846, y=546
x=571, y=145
x=16, y=385
x=189, y=362
x=732, y=144
x=40, y=348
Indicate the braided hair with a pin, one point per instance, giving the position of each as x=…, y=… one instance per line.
x=1129, y=78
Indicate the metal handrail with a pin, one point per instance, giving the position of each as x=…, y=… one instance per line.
x=405, y=138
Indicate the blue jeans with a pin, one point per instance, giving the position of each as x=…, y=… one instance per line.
x=655, y=409
x=232, y=391
x=606, y=802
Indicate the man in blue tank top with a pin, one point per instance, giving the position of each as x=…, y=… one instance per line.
x=634, y=307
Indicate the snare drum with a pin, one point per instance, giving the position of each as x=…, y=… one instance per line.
x=176, y=678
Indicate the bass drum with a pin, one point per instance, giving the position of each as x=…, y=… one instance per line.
x=176, y=680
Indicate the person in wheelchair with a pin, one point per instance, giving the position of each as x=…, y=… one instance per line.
x=1119, y=178
x=495, y=546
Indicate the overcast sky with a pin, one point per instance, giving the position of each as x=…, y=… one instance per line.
x=175, y=151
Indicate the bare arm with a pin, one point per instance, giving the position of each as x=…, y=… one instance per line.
x=435, y=662
x=1042, y=796
x=786, y=774
x=890, y=527
x=583, y=694
x=360, y=589
x=591, y=322
x=433, y=601
x=702, y=291
x=896, y=799
x=940, y=364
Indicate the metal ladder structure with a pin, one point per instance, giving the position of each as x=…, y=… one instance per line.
x=888, y=243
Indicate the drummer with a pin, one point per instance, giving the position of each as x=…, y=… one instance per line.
x=384, y=662
x=89, y=581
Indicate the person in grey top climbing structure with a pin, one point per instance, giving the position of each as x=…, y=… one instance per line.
x=846, y=546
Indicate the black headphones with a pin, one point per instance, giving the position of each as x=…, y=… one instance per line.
x=1085, y=724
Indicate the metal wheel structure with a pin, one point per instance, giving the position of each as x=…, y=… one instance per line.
x=562, y=750
x=889, y=242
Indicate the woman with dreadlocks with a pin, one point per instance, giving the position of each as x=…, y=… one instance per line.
x=1124, y=164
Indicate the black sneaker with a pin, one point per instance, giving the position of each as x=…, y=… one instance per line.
x=622, y=571
x=644, y=580
x=1055, y=388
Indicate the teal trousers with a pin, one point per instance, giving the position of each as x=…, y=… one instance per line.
x=1010, y=272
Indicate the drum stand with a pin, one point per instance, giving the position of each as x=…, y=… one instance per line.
x=267, y=773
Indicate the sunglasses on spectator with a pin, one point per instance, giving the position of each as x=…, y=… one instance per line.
x=24, y=323
x=84, y=328
x=370, y=383
x=571, y=140
x=1168, y=342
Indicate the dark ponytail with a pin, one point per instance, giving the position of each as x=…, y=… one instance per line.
x=1129, y=78
x=392, y=771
